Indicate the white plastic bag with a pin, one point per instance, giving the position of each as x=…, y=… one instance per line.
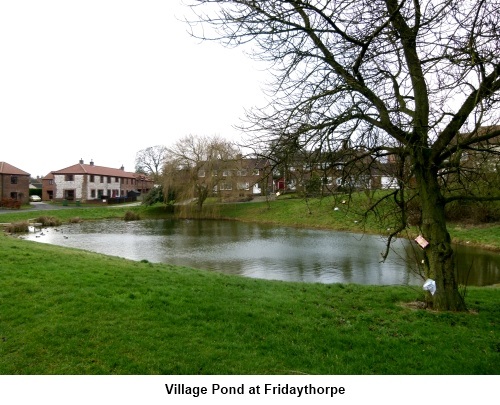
x=430, y=285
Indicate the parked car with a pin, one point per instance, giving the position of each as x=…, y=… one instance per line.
x=35, y=198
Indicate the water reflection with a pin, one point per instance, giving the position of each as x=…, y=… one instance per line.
x=268, y=252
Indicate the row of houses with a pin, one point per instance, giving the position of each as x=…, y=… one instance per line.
x=243, y=178
x=80, y=182
x=89, y=182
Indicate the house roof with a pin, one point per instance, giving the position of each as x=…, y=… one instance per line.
x=6, y=168
x=82, y=168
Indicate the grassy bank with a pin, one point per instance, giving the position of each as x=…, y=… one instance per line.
x=67, y=311
x=330, y=213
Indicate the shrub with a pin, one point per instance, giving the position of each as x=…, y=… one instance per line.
x=477, y=212
x=48, y=221
x=155, y=195
x=131, y=216
x=17, y=227
x=10, y=203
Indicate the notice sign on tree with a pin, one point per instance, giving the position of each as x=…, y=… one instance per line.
x=421, y=241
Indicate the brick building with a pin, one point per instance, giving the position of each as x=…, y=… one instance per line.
x=14, y=183
x=87, y=182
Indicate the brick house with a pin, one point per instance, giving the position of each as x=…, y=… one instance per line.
x=14, y=183
x=88, y=182
x=236, y=179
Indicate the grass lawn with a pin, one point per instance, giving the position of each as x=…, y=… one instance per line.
x=66, y=311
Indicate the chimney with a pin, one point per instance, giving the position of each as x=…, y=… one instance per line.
x=91, y=162
x=122, y=168
x=81, y=161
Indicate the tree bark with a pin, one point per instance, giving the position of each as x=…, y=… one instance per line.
x=439, y=258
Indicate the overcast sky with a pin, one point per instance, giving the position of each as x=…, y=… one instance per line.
x=102, y=79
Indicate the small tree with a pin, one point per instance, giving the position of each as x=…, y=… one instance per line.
x=192, y=167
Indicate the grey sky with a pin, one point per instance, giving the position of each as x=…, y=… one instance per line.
x=102, y=79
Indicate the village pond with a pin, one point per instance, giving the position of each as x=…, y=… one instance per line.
x=266, y=252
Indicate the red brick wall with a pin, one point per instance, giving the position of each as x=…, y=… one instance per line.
x=21, y=188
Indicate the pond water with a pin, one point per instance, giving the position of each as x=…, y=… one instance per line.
x=267, y=252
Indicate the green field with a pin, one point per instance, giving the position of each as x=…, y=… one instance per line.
x=66, y=311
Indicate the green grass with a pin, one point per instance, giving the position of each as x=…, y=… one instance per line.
x=66, y=311
x=486, y=235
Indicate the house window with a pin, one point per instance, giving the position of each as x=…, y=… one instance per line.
x=256, y=172
x=109, y=179
x=243, y=186
x=13, y=179
x=116, y=180
x=51, y=182
x=102, y=179
x=226, y=173
x=69, y=177
x=226, y=186
x=100, y=193
x=201, y=173
x=13, y=195
x=92, y=193
x=214, y=173
x=91, y=178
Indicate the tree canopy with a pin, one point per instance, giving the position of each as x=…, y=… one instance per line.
x=418, y=80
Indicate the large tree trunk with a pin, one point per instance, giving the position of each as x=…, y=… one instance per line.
x=439, y=257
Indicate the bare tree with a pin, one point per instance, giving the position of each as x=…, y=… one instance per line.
x=406, y=78
x=193, y=167
x=150, y=161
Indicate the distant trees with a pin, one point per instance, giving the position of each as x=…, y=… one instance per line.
x=192, y=167
x=150, y=161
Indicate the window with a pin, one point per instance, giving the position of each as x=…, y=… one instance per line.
x=92, y=193
x=241, y=172
x=13, y=179
x=109, y=179
x=214, y=173
x=91, y=179
x=69, y=177
x=243, y=186
x=256, y=172
x=116, y=180
x=226, y=186
x=201, y=173
x=51, y=182
x=102, y=179
x=226, y=173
